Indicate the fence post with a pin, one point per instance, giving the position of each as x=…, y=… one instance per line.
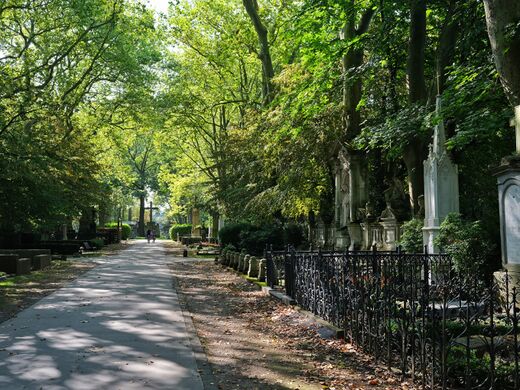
x=289, y=271
x=270, y=269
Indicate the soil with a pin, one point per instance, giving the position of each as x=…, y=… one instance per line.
x=255, y=342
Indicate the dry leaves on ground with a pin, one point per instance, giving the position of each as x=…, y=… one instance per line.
x=254, y=342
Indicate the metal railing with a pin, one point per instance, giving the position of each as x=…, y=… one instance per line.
x=413, y=312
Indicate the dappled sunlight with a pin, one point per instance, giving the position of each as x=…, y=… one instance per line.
x=119, y=326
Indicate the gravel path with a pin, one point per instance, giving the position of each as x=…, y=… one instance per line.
x=118, y=326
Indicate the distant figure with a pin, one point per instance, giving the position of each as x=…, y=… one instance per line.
x=148, y=235
x=153, y=235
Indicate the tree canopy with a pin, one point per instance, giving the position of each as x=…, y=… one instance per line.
x=241, y=107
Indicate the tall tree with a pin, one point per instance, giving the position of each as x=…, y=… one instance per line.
x=503, y=23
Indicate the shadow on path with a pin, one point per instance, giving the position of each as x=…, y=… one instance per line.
x=118, y=326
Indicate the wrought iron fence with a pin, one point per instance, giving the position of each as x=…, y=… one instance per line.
x=413, y=312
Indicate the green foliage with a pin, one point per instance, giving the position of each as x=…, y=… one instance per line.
x=254, y=239
x=97, y=242
x=180, y=229
x=126, y=229
x=466, y=242
x=412, y=236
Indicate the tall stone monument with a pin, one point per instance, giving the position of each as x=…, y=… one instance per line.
x=441, y=185
x=508, y=178
x=352, y=183
x=195, y=222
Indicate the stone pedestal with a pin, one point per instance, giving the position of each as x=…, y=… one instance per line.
x=252, y=271
x=244, y=266
x=508, y=178
x=356, y=236
x=441, y=186
x=262, y=270
x=195, y=222
x=390, y=234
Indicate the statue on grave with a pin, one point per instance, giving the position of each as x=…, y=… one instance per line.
x=397, y=201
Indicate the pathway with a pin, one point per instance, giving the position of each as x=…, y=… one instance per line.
x=118, y=326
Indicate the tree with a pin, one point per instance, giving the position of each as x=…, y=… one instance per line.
x=503, y=23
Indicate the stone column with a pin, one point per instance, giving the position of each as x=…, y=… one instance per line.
x=441, y=186
x=195, y=222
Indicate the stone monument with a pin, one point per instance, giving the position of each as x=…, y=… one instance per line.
x=508, y=178
x=355, y=196
x=195, y=222
x=441, y=185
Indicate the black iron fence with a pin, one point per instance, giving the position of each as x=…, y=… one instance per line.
x=413, y=312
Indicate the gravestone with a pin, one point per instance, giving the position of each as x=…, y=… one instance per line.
x=441, y=185
x=252, y=271
x=195, y=221
x=508, y=179
x=352, y=197
x=262, y=270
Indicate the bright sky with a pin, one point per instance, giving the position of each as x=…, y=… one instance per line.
x=159, y=5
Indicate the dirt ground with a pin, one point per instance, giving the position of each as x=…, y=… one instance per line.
x=255, y=342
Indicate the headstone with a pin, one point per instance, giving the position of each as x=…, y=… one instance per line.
x=252, y=271
x=8, y=263
x=508, y=179
x=262, y=270
x=391, y=231
x=441, y=185
x=40, y=262
x=195, y=222
x=23, y=266
x=245, y=264
x=341, y=210
x=354, y=180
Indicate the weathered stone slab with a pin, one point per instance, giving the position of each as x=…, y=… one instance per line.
x=262, y=270
x=23, y=266
x=252, y=270
x=8, y=263
x=40, y=262
x=245, y=264
x=26, y=253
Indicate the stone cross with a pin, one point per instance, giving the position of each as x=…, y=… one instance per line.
x=515, y=122
x=151, y=208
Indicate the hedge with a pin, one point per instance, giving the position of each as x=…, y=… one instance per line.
x=183, y=229
x=126, y=230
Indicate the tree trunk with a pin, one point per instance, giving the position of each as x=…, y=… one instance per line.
x=416, y=82
x=502, y=19
x=142, y=224
x=446, y=49
x=414, y=155
x=251, y=7
x=414, y=151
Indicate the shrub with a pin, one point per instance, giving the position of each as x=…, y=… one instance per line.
x=293, y=235
x=466, y=242
x=97, y=242
x=126, y=230
x=230, y=233
x=412, y=236
x=254, y=238
x=183, y=229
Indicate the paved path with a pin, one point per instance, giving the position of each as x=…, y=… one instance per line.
x=118, y=326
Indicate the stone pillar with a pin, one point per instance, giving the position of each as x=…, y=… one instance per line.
x=354, y=186
x=195, y=222
x=441, y=186
x=252, y=271
x=508, y=180
x=508, y=176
